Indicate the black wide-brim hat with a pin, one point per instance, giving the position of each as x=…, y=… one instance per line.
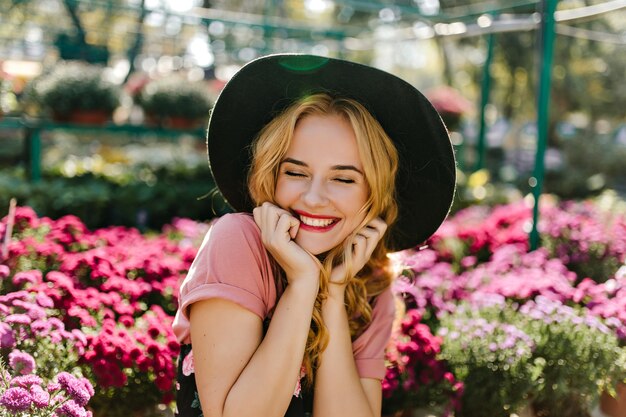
x=263, y=88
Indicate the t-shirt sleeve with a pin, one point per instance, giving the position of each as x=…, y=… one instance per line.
x=369, y=347
x=231, y=264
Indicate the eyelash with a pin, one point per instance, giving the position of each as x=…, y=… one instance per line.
x=294, y=174
x=299, y=175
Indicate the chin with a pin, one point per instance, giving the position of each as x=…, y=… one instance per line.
x=315, y=248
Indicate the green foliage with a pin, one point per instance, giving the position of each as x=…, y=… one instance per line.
x=579, y=356
x=592, y=163
x=100, y=202
x=493, y=358
x=72, y=86
x=560, y=358
x=175, y=97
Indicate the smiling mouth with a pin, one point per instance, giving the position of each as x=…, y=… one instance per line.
x=316, y=223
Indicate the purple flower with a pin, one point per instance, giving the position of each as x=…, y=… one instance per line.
x=74, y=387
x=26, y=381
x=40, y=327
x=7, y=338
x=40, y=397
x=53, y=386
x=88, y=386
x=16, y=399
x=21, y=362
x=71, y=409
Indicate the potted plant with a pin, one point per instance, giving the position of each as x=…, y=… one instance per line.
x=76, y=92
x=554, y=358
x=581, y=355
x=175, y=102
x=493, y=359
x=416, y=381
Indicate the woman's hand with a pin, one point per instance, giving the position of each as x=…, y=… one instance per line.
x=363, y=246
x=278, y=229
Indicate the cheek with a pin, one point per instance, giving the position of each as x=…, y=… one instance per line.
x=285, y=193
x=351, y=203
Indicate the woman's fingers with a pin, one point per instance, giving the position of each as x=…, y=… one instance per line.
x=366, y=240
x=287, y=226
x=275, y=222
x=278, y=232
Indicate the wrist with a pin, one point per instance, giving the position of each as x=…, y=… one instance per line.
x=302, y=283
x=336, y=293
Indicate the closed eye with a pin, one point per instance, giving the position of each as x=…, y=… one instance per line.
x=345, y=180
x=294, y=174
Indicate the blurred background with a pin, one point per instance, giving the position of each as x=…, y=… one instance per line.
x=103, y=104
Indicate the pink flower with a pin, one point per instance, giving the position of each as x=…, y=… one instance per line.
x=40, y=397
x=44, y=301
x=87, y=384
x=188, y=367
x=22, y=362
x=53, y=386
x=27, y=277
x=16, y=399
x=71, y=409
x=25, y=381
x=18, y=319
x=4, y=271
x=7, y=337
x=74, y=387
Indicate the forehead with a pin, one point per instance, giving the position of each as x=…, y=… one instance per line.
x=325, y=139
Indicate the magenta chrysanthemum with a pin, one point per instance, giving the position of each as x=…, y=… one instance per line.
x=40, y=397
x=75, y=387
x=16, y=399
x=26, y=381
x=7, y=337
x=71, y=409
x=21, y=362
x=25, y=277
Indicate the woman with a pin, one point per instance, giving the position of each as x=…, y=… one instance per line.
x=289, y=309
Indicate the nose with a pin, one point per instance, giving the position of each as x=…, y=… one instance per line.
x=315, y=194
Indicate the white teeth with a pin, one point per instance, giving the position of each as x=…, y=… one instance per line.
x=316, y=222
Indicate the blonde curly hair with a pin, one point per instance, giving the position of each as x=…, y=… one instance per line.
x=380, y=162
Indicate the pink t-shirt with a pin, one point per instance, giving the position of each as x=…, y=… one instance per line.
x=233, y=264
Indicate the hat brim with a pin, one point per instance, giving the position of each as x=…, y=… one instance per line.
x=261, y=89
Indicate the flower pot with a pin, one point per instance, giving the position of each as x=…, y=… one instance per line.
x=184, y=123
x=173, y=122
x=84, y=117
x=614, y=406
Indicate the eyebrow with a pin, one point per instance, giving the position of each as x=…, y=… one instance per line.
x=334, y=167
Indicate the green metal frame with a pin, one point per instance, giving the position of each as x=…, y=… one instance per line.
x=543, y=111
x=485, y=89
x=33, y=130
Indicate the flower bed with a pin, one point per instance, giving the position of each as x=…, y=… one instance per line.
x=109, y=295
x=563, y=308
x=474, y=329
